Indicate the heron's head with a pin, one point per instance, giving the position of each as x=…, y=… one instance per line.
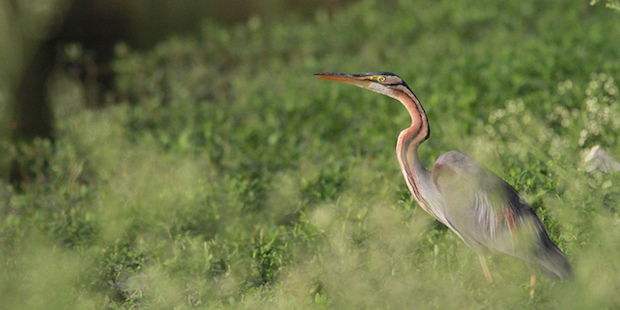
x=385, y=83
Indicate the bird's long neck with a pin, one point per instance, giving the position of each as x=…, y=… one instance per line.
x=407, y=146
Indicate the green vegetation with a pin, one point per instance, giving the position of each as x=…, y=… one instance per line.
x=226, y=175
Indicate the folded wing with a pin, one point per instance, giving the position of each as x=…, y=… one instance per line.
x=490, y=216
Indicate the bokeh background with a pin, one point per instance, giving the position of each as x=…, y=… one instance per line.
x=180, y=154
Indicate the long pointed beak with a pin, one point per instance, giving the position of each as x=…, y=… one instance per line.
x=354, y=79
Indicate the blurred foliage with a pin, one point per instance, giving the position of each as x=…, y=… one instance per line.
x=612, y=4
x=226, y=175
x=22, y=26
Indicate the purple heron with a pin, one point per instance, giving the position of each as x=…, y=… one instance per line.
x=487, y=213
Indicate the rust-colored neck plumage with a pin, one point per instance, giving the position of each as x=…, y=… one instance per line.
x=419, y=130
x=407, y=146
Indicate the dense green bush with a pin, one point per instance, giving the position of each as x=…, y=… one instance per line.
x=226, y=175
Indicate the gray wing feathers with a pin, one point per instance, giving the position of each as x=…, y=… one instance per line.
x=552, y=261
x=489, y=215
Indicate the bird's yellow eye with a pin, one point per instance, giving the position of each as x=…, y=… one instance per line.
x=381, y=79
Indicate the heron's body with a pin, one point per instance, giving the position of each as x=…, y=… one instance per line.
x=481, y=208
